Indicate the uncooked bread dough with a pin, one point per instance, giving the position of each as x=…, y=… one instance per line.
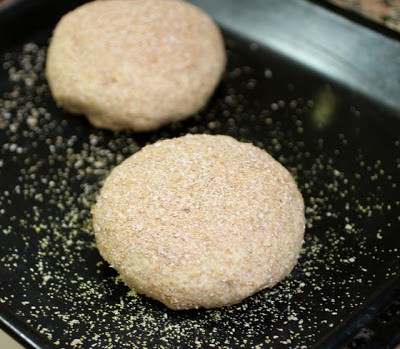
x=200, y=221
x=135, y=64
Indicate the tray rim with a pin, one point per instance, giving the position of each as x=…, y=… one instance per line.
x=22, y=332
x=329, y=43
x=358, y=18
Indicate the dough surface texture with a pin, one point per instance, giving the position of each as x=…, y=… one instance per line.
x=136, y=64
x=200, y=221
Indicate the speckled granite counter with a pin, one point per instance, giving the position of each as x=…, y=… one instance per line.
x=386, y=12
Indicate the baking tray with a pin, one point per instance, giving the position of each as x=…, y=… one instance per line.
x=318, y=92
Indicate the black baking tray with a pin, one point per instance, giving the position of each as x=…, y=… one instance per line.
x=317, y=91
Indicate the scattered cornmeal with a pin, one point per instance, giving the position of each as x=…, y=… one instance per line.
x=200, y=221
x=135, y=64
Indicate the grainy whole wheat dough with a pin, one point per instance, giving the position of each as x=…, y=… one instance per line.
x=200, y=221
x=135, y=64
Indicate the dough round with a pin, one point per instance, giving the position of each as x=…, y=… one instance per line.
x=135, y=64
x=200, y=221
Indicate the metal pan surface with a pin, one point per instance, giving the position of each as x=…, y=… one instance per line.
x=333, y=121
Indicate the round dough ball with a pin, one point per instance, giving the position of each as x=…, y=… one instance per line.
x=200, y=221
x=135, y=64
